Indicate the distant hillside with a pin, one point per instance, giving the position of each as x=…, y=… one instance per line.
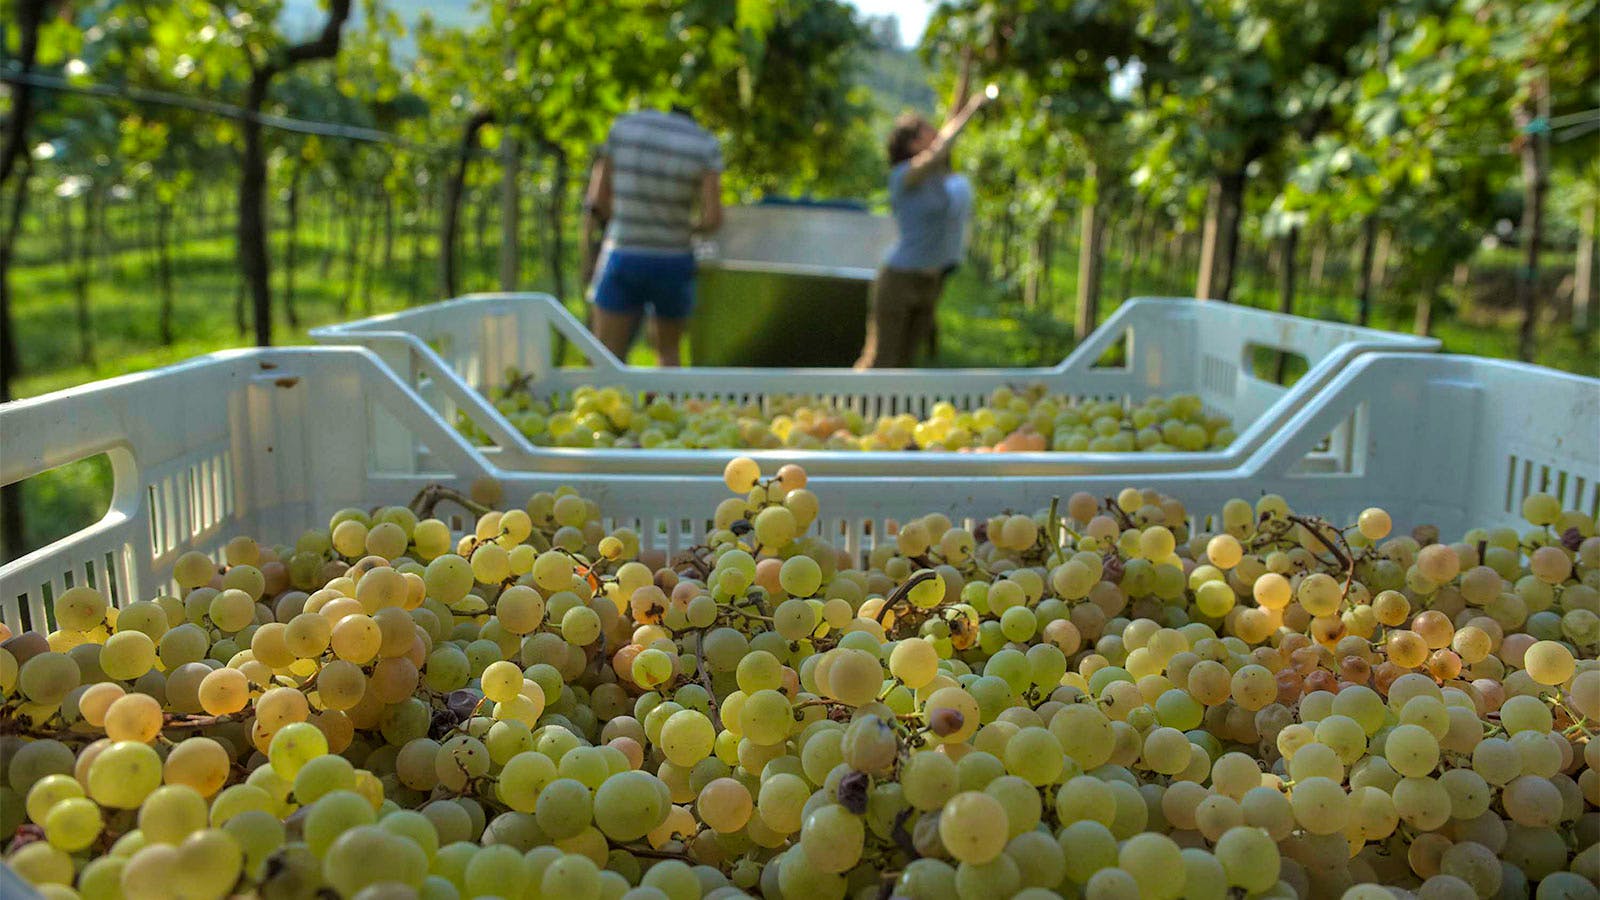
x=899, y=81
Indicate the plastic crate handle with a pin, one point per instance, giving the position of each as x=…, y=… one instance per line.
x=58, y=429
x=540, y=309
x=478, y=409
x=139, y=422
x=557, y=316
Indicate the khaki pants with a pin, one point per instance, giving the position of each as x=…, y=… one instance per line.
x=901, y=319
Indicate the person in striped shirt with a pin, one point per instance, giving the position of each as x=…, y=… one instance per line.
x=654, y=172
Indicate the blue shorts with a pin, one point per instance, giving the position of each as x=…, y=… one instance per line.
x=632, y=282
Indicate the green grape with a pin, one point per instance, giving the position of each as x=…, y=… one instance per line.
x=1112, y=883
x=459, y=760
x=973, y=827
x=929, y=780
x=102, y=877
x=1156, y=864
x=1422, y=802
x=331, y=816
x=552, y=571
x=687, y=737
x=501, y=681
x=258, y=834
x=124, y=774
x=322, y=775
x=757, y=671
x=652, y=668
x=724, y=805
x=800, y=576
x=1249, y=857
x=781, y=802
x=1549, y=662
x=293, y=746
x=1085, y=734
x=1268, y=809
x=1532, y=801
x=870, y=745
x=571, y=876
x=73, y=824
x=765, y=717
x=348, y=863
x=831, y=838
x=1089, y=847
x=127, y=654
x=236, y=799
x=927, y=878
x=448, y=578
x=48, y=677
x=41, y=864
x=1166, y=750
x=1019, y=800
x=564, y=808
x=49, y=791
x=1320, y=805
x=171, y=813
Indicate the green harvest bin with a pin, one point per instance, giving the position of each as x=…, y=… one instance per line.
x=785, y=284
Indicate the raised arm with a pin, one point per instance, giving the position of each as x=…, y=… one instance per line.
x=938, y=151
x=963, y=84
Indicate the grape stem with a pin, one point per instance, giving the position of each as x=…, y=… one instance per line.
x=1316, y=526
x=195, y=721
x=649, y=853
x=704, y=676
x=1578, y=722
x=692, y=557
x=1053, y=529
x=903, y=591
x=729, y=607
x=832, y=706
x=1121, y=516
x=428, y=498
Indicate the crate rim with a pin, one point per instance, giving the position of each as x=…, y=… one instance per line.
x=387, y=333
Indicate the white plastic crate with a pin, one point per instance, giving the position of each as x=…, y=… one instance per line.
x=456, y=351
x=270, y=442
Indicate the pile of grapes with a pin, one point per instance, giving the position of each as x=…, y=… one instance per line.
x=1088, y=700
x=1027, y=419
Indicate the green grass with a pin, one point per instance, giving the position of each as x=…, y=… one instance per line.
x=124, y=310
x=125, y=304
x=981, y=322
x=987, y=323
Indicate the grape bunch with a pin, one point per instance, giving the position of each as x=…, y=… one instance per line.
x=1014, y=420
x=1110, y=698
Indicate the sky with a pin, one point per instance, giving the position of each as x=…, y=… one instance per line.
x=913, y=15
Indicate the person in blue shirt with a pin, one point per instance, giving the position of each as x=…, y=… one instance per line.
x=906, y=293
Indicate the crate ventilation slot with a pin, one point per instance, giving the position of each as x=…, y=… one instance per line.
x=105, y=571
x=1218, y=376
x=190, y=502
x=1526, y=476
